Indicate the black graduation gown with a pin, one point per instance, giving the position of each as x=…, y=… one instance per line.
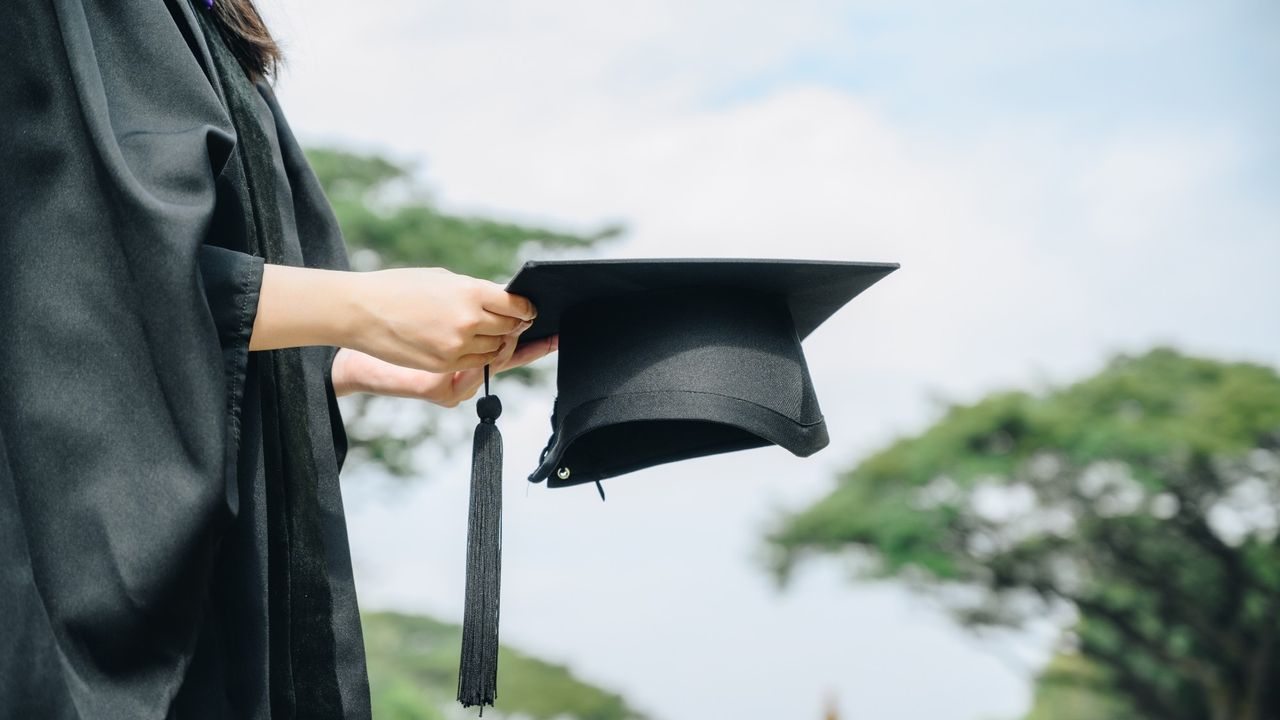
x=159, y=557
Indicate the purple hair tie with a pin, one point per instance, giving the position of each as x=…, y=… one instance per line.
x=208, y=4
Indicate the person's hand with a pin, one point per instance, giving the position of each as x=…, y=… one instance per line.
x=434, y=320
x=355, y=371
x=426, y=319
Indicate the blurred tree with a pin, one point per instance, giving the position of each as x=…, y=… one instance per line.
x=389, y=220
x=1146, y=499
x=413, y=675
x=1072, y=688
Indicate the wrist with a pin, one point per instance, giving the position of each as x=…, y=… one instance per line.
x=350, y=314
x=342, y=376
x=305, y=306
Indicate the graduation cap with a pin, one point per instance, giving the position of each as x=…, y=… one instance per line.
x=659, y=361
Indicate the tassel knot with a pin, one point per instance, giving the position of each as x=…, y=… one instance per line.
x=489, y=408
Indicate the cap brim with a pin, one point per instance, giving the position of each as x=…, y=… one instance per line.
x=814, y=290
x=757, y=426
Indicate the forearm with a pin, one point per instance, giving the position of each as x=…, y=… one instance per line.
x=422, y=318
x=305, y=306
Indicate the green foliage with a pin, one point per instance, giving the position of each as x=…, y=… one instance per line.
x=388, y=220
x=1144, y=498
x=413, y=675
x=1072, y=688
x=382, y=209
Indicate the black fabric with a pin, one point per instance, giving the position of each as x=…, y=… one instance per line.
x=166, y=496
x=231, y=282
x=303, y=681
x=665, y=360
x=478, y=661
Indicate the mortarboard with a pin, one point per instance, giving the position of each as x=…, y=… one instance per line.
x=659, y=361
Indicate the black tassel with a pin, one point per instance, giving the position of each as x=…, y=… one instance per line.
x=478, y=671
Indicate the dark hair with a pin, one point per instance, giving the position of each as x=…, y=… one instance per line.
x=242, y=28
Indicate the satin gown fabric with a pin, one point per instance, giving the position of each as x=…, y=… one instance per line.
x=154, y=562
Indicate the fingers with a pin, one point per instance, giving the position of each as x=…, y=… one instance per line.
x=530, y=351
x=466, y=381
x=497, y=300
x=496, y=358
x=465, y=385
x=479, y=351
x=475, y=360
x=509, y=345
x=481, y=345
x=491, y=323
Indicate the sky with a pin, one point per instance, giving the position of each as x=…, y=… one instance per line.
x=1060, y=182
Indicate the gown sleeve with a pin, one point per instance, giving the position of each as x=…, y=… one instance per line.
x=231, y=284
x=116, y=410
x=232, y=281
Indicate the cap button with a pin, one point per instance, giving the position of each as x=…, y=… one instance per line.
x=563, y=473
